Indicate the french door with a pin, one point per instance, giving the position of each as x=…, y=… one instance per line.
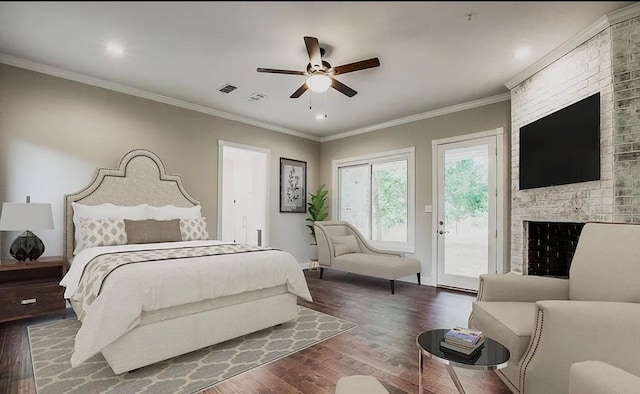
x=466, y=211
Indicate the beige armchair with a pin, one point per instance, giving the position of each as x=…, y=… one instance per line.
x=342, y=247
x=596, y=377
x=549, y=324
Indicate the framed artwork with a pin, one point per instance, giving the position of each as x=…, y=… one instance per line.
x=293, y=185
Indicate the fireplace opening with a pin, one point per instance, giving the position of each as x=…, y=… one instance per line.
x=551, y=246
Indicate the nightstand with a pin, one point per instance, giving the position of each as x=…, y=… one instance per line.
x=31, y=288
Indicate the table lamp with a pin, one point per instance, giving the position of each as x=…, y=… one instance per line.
x=18, y=216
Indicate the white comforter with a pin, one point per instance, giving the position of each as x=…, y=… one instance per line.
x=134, y=288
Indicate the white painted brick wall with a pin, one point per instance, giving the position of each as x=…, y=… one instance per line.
x=626, y=110
x=582, y=72
x=608, y=63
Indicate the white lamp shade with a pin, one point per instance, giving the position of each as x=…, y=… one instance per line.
x=20, y=216
x=318, y=83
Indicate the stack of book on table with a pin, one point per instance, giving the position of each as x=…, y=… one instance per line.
x=462, y=342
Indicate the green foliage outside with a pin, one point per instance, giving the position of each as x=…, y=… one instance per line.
x=389, y=197
x=466, y=189
x=317, y=209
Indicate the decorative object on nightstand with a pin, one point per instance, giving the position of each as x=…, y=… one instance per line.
x=17, y=216
x=32, y=288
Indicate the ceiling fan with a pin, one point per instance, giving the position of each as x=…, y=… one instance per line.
x=321, y=73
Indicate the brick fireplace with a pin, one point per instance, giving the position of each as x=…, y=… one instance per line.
x=608, y=63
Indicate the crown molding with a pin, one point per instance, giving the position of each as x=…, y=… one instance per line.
x=425, y=115
x=77, y=77
x=628, y=12
x=560, y=51
x=101, y=83
x=617, y=16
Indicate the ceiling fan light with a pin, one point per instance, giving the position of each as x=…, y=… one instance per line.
x=319, y=83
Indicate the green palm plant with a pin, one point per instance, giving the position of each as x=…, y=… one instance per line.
x=317, y=209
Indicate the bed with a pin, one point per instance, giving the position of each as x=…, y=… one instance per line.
x=176, y=297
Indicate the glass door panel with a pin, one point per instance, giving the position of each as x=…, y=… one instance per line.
x=466, y=212
x=389, y=202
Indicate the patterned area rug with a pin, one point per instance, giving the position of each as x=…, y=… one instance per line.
x=52, y=345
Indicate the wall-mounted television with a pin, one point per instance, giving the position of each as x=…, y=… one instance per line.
x=563, y=147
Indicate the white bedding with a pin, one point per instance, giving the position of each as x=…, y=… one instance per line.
x=134, y=288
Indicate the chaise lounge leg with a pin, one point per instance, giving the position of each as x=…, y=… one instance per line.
x=418, y=274
x=321, y=272
x=393, y=290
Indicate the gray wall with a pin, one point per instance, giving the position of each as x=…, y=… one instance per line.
x=55, y=133
x=420, y=134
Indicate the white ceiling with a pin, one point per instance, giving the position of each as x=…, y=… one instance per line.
x=431, y=55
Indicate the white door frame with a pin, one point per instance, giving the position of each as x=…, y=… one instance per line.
x=221, y=145
x=500, y=141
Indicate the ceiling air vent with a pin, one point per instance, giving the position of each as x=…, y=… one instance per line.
x=228, y=88
x=255, y=97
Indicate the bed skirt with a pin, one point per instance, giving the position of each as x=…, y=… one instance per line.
x=160, y=340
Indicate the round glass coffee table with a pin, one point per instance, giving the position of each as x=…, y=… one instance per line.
x=493, y=355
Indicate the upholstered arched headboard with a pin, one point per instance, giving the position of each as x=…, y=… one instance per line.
x=139, y=179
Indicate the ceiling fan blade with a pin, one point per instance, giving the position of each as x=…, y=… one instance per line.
x=313, y=49
x=300, y=90
x=274, y=71
x=357, y=66
x=342, y=88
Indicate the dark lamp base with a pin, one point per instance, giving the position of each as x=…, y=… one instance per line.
x=27, y=246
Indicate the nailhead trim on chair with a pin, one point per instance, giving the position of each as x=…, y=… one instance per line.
x=533, y=346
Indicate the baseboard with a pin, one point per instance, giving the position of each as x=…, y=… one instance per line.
x=475, y=292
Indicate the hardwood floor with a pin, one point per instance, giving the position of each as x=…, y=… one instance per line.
x=382, y=345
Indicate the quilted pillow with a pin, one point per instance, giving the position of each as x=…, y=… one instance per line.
x=194, y=229
x=101, y=232
x=150, y=231
x=345, y=244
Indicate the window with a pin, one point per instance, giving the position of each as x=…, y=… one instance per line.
x=375, y=193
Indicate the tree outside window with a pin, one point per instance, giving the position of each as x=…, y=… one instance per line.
x=466, y=189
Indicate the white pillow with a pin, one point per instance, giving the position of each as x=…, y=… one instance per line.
x=101, y=232
x=194, y=229
x=169, y=212
x=345, y=244
x=105, y=211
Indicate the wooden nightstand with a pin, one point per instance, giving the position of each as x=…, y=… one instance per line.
x=30, y=288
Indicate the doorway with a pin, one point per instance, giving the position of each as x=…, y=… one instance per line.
x=243, y=198
x=467, y=214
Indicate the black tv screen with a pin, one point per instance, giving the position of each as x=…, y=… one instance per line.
x=563, y=147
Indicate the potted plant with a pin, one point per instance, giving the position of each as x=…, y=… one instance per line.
x=317, y=213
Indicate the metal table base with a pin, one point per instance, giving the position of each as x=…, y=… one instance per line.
x=450, y=369
x=492, y=356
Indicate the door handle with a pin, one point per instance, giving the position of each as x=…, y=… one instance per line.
x=442, y=232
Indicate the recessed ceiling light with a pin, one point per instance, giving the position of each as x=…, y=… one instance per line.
x=115, y=49
x=321, y=116
x=521, y=53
